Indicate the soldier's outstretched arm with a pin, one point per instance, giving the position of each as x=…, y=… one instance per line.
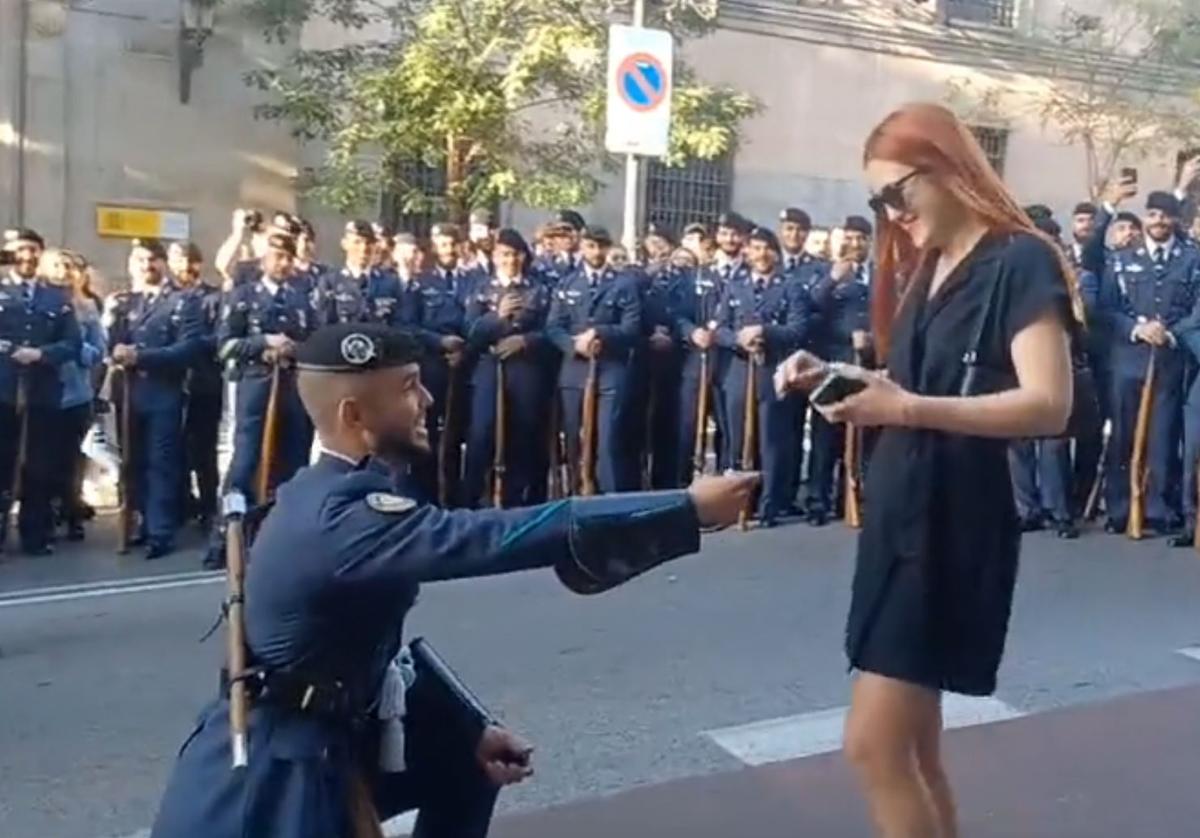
x=594, y=543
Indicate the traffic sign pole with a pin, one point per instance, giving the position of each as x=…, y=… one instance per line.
x=632, y=165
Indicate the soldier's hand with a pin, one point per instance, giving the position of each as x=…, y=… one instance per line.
x=277, y=342
x=452, y=343
x=661, y=342
x=1189, y=174
x=1122, y=190
x=1157, y=333
x=860, y=340
x=750, y=338
x=454, y=359
x=511, y=345
x=801, y=372
x=702, y=338
x=504, y=757
x=719, y=500
x=121, y=353
x=842, y=269
x=27, y=355
x=239, y=222
x=510, y=306
x=584, y=343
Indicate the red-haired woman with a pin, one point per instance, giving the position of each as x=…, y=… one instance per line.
x=937, y=559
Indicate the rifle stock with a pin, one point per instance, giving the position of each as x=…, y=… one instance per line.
x=125, y=513
x=699, y=449
x=1138, y=472
x=1093, y=498
x=498, y=454
x=270, y=440
x=749, y=429
x=587, y=442
x=235, y=574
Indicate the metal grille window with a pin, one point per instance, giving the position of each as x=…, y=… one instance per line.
x=995, y=145
x=431, y=181
x=990, y=12
x=700, y=190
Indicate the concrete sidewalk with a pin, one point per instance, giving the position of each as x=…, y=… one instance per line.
x=1128, y=768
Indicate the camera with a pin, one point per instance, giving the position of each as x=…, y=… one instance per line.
x=252, y=219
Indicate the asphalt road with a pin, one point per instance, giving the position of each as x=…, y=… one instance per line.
x=99, y=682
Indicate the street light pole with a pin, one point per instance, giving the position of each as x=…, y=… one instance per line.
x=632, y=164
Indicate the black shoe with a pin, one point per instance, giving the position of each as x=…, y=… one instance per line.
x=213, y=560
x=34, y=550
x=1034, y=523
x=1066, y=531
x=817, y=517
x=75, y=531
x=86, y=511
x=158, y=549
x=1187, y=538
x=1115, y=527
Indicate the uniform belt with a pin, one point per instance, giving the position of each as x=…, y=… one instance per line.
x=297, y=693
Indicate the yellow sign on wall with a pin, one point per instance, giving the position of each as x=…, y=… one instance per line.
x=141, y=223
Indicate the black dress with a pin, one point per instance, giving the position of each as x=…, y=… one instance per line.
x=937, y=558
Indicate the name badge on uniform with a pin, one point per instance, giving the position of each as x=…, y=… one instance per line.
x=390, y=504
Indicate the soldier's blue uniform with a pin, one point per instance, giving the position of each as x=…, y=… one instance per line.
x=42, y=317
x=202, y=419
x=654, y=399
x=440, y=300
x=809, y=271
x=334, y=571
x=252, y=312
x=167, y=330
x=1138, y=287
x=784, y=308
x=598, y=299
x=527, y=417
x=374, y=296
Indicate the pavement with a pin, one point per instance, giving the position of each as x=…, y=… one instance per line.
x=704, y=698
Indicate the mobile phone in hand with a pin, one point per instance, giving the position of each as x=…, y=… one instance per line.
x=1130, y=175
x=836, y=388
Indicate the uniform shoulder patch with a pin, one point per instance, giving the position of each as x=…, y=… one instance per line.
x=390, y=504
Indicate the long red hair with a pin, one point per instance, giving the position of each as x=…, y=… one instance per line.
x=931, y=138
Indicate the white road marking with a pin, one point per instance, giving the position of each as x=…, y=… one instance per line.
x=809, y=734
x=91, y=590
x=1192, y=652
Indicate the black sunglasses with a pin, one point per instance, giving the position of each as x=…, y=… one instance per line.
x=892, y=196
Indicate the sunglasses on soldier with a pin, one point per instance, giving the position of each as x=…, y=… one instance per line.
x=892, y=196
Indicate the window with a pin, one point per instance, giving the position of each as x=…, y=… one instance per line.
x=989, y=12
x=700, y=190
x=995, y=145
x=431, y=181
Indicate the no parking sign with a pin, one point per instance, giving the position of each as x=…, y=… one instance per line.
x=639, y=91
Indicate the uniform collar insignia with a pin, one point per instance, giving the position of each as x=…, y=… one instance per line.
x=390, y=504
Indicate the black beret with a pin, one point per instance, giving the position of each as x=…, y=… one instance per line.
x=357, y=348
x=282, y=241
x=858, y=224
x=571, y=219
x=445, y=229
x=734, y=222
x=360, y=228
x=1038, y=211
x=1130, y=218
x=482, y=216
x=1084, y=208
x=405, y=238
x=659, y=231
x=598, y=235
x=796, y=216
x=762, y=234
x=153, y=245
x=696, y=229
x=23, y=234
x=1048, y=226
x=511, y=238
x=1164, y=202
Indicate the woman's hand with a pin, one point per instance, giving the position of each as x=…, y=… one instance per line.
x=882, y=403
x=800, y=373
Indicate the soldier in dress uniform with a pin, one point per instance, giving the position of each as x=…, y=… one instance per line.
x=763, y=316
x=727, y=265
x=481, y=236
x=561, y=256
x=344, y=730
x=204, y=385
x=381, y=256
x=698, y=241
x=38, y=334
x=506, y=326
x=156, y=333
x=1151, y=295
x=261, y=324
x=238, y=256
x=1083, y=228
x=657, y=247
x=842, y=297
x=597, y=314
x=308, y=272
x=360, y=292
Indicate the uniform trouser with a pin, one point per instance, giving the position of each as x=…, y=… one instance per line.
x=1089, y=445
x=776, y=437
x=1041, y=475
x=157, y=461
x=201, y=427
x=657, y=419
x=828, y=449
x=1190, y=487
x=431, y=473
x=73, y=424
x=294, y=433
x=37, y=483
x=1163, y=438
x=689, y=403
x=615, y=471
x=526, y=441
